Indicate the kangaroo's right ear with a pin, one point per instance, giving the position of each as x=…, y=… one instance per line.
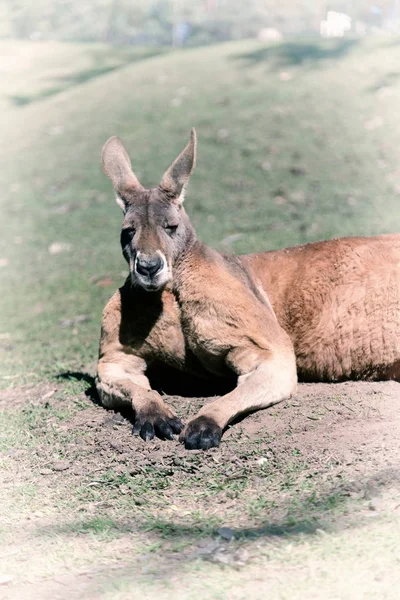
x=117, y=166
x=176, y=178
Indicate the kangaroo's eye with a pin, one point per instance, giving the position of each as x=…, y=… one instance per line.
x=127, y=235
x=170, y=229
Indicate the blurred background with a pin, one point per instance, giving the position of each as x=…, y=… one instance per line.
x=296, y=107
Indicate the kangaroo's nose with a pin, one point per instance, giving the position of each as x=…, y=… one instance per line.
x=149, y=266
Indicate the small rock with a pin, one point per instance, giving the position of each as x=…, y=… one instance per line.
x=62, y=209
x=3, y=262
x=222, y=557
x=207, y=547
x=226, y=533
x=374, y=123
x=56, y=130
x=228, y=240
x=266, y=165
x=373, y=505
x=5, y=579
x=104, y=282
x=298, y=197
x=38, y=308
x=74, y=321
x=242, y=556
x=285, y=76
x=59, y=247
x=46, y=471
x=48, y=395
x=61, y=465
x=262, y=461
x=118, y=418
x=223, y=134
x=117, y=446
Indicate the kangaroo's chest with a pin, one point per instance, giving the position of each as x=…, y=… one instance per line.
x=180, y=336
x=155, y=331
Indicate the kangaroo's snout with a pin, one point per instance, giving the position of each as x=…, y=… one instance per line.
x=151, y=270
x=148, y=266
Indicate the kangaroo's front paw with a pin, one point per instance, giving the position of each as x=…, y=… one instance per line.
x=155, y=422
x=201, y=434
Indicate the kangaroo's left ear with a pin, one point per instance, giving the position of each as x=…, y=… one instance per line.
x=176, y=178
x=117, y=166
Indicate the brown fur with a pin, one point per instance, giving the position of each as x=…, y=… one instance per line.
x=331, y=307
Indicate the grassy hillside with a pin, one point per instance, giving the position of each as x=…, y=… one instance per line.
x=297, y=142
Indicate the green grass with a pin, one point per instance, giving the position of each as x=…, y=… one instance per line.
x=297, y=142
x=33, y=72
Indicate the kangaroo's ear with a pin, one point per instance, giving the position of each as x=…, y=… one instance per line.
x=176, y=178
x=117, y=166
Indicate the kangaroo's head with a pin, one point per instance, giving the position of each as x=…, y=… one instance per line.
x=156, y=229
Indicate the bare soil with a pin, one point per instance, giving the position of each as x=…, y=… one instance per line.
x=325, y=461
x=352, y=429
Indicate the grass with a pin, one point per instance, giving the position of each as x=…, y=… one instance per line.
x=297, y=141
x=35, y=72
x=284, y=161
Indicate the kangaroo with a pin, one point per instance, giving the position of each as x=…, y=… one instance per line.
x=324, y=311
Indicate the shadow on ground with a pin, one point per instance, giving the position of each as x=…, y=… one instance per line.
x=326, y=513
x=165, y=380
x=388, y=80
x=290, y=54
x=99, y=67
x=91, y=391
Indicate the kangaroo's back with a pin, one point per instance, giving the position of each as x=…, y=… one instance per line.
x=339, y=301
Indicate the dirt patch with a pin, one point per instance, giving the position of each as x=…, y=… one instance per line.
x=330, y=442
x=323, y=463
x=352, y=428
x=18, y=396
x=353, y=424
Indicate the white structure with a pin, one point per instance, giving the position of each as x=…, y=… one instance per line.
x=270, y=34
x=335, y=25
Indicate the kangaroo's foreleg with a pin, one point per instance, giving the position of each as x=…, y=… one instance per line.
x=121, y=371
x=264, y=379
x=121, y=382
